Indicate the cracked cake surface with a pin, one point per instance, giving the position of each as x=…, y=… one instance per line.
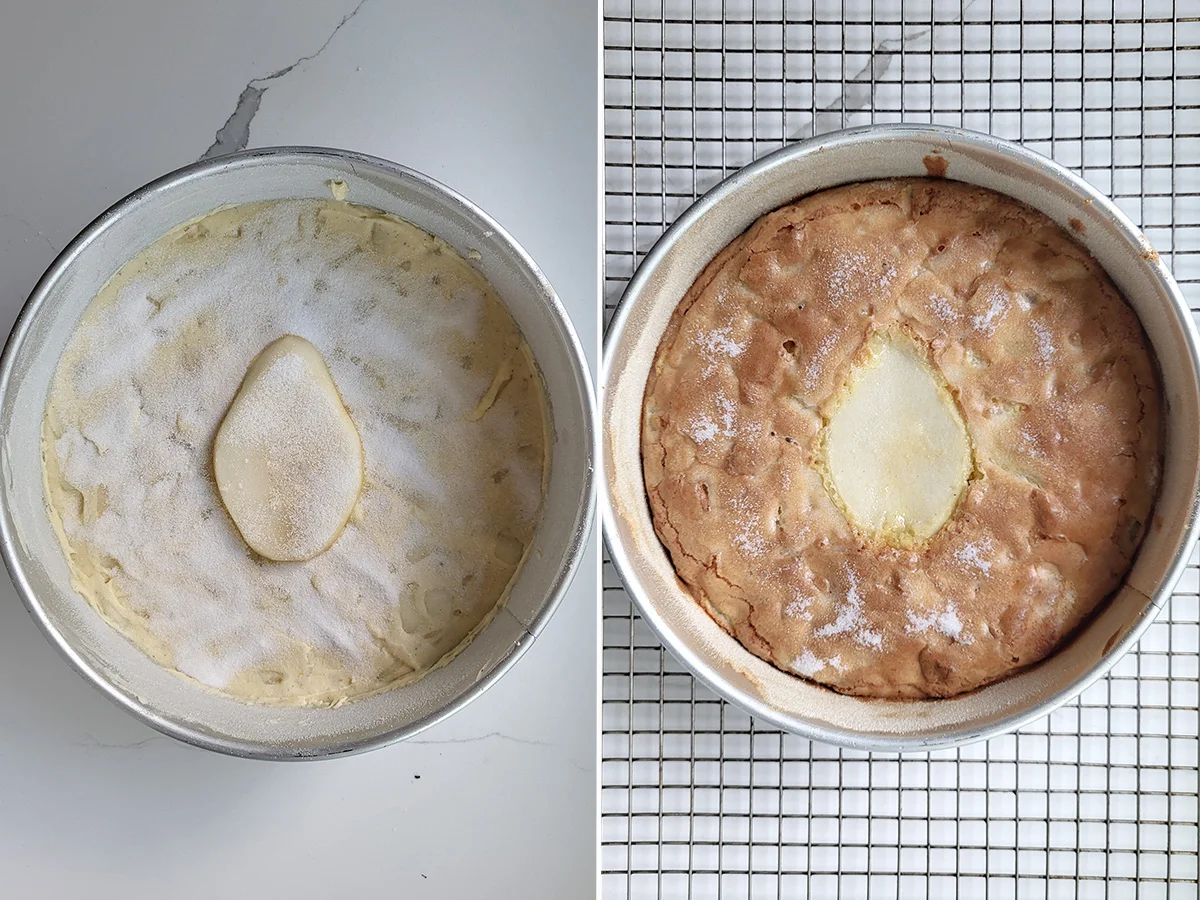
x=1046, y=365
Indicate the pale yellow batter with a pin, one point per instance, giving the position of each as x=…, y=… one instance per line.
x=441, y=388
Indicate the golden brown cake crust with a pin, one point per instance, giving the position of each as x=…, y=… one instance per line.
x=1050, y=371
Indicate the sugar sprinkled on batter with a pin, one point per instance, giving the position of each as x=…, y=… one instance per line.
x=413, y=338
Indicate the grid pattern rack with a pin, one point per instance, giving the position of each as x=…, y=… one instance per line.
x=1098, y=800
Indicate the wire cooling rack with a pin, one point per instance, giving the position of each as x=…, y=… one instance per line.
x=1100, y=798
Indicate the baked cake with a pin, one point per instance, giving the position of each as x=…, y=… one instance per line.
x=902, y=437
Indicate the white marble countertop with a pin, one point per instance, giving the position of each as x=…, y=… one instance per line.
x=496, y=100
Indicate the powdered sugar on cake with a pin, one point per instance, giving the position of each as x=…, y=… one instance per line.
x=997, y=306
x=718, y=346
x=975, y=555
x=704, y=429
x=816, y=361
x=1043, y=341
x=748, y=535
x=942, y=309
x=809, y=664
x=850, y=616
x=945, y=621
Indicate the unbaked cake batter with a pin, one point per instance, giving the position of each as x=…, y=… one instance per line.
x=439, y=385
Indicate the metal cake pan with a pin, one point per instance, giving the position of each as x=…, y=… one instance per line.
x=859, y=154
x=181, y=708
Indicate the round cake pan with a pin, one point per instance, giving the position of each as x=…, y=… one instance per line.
x=181, y=708
x=859, y=154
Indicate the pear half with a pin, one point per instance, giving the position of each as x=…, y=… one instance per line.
x=288, y=458
x=897, y=452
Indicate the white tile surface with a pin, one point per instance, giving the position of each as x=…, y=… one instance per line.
x=498, y=101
